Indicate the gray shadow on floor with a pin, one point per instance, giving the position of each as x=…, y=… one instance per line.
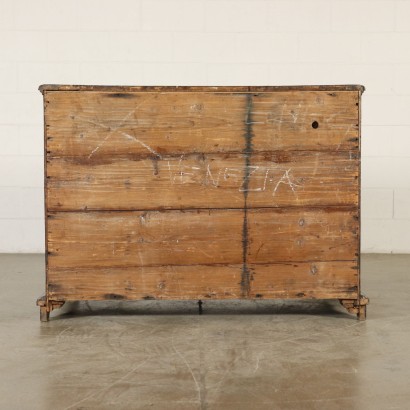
x=210, y=307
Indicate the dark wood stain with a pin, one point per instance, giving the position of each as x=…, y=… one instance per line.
x=280, y=157
x=155, y=165
x=113, y=296
x=54, y=287
x=246, y=274
x=120, y=95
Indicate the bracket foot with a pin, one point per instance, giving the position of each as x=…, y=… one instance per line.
x=47, y=306
x=356, y=306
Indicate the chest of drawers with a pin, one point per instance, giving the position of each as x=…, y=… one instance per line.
x=202, y=193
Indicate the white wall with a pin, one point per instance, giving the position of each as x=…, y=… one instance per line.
x=204, y=42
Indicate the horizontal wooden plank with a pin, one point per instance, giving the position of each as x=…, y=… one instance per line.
x=144, y=238
x=304, y=121
x=302, y=179
x=162, y=88
x=160, y=282
x=291, y=280
x=125, y=183
x=200, y=237
x=301, y=235
x=203, y=181
x=321, y=280
x=94, y=124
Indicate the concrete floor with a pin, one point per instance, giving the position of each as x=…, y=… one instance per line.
x=163, y=355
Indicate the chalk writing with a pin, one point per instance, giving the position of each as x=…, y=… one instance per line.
x=270, y=177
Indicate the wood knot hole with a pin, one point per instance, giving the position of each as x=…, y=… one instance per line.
x=315, y=124
x=301, y=222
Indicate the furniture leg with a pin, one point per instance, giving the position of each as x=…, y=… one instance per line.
x=356, y=306
x=47, y=306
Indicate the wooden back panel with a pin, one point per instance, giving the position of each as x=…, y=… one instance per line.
x=202, y=193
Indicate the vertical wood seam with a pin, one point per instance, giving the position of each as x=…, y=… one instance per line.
x=246, y=274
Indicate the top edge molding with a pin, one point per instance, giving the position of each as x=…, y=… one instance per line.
x=134, y=88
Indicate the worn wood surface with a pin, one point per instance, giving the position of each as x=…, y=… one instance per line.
x=94, y=124
x=291, y=280
x=202, y=192
x=356, y=306
x=203, y=181
x=195, y=237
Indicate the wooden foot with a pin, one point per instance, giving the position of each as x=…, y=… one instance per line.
x=47, y=306
x=356, y=306
x=44, y=314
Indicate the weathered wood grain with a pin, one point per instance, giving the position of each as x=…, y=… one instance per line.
x=310, y=280
x=291, y=178
x=159, y=282
x=203, y=181
x=301, y=235
x=202, y=193
x=199, y=237
x=327, y=121
x=281, y=280
x=144, y=238
x=94, y=124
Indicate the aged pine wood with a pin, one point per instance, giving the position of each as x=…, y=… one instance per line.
x=195, y=237
x=202, y=193
x=94, y=124
x=357, y=307
x=293, y=280
x=203, y=181
x=47, y=306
